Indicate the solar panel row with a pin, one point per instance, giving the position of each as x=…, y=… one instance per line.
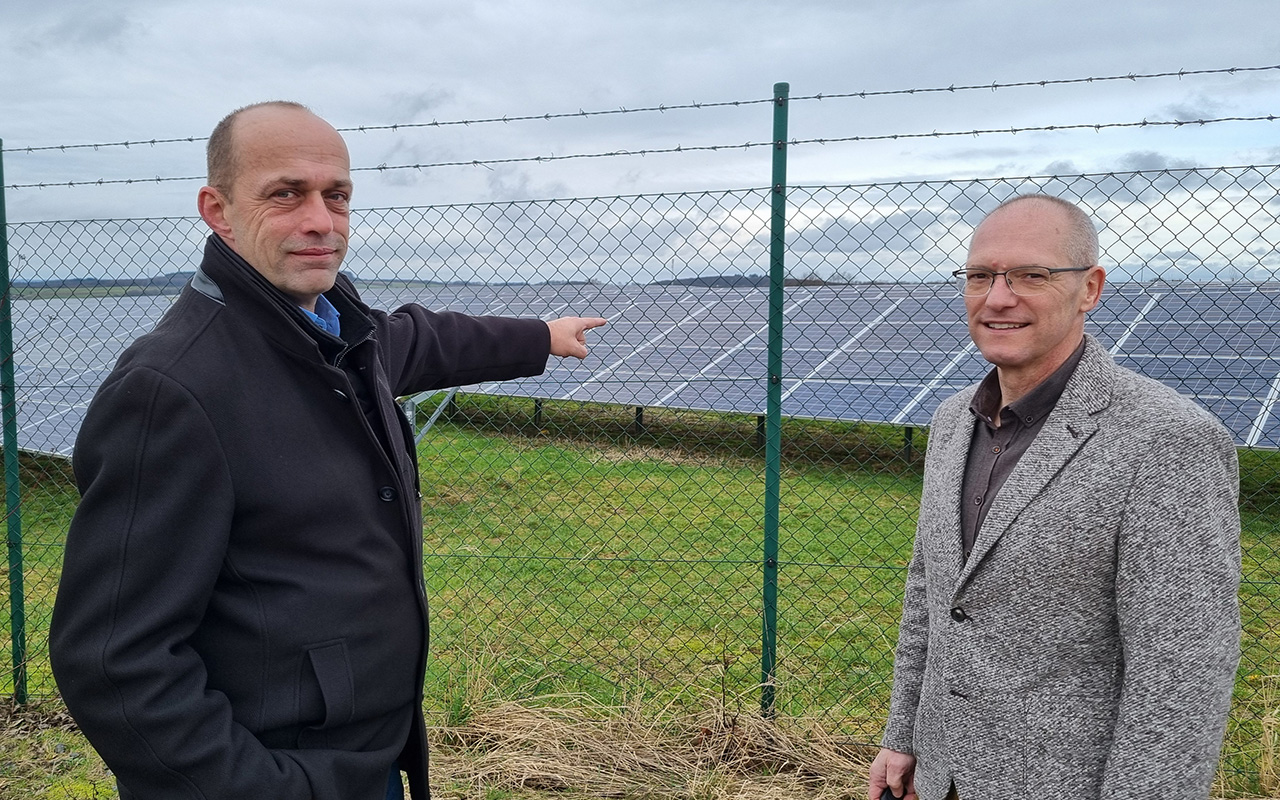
x=873, y=353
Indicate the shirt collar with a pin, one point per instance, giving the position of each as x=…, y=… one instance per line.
x=325, y=316
x=1032, y=406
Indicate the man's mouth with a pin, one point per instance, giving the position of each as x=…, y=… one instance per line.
x=1005, y=326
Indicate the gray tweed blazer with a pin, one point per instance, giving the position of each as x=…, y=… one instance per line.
x=1088, y=647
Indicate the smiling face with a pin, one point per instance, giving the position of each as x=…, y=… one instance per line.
x=286, y=208
x=1027, y=338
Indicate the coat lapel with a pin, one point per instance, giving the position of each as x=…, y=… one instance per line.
x=1071, y=423
x=948, y=470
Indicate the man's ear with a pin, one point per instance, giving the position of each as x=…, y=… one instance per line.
x=213, y=204
x=1094, y=280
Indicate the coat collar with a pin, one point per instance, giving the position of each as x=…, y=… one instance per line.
x=229, y=280
x=1070, y=425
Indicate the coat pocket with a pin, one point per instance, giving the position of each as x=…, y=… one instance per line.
x=328, y=697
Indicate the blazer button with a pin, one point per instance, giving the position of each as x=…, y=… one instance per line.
x=958, y=614
x=386, y=494
x=341, y=394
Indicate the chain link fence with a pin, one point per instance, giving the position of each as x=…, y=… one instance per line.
x=599, y=529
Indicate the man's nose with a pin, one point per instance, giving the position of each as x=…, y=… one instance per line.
x=315, y=216
x=1000, y=294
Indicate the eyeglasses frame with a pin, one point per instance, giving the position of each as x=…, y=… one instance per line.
x=1007, y=281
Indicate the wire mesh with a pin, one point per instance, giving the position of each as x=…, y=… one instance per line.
x=598, y=529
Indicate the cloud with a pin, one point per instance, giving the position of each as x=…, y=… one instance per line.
x=1150, y=160
x=416, y=106
x=81, y=71
x=77, y=27
x=507, y=182
x=1199, y=107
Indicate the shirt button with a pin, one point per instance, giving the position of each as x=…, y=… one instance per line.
x=996, y=449
x=386, y=494
x=958, y=614
x=977, y=500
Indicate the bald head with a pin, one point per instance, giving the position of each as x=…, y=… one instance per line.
x=1075, y=231
x=221, y=153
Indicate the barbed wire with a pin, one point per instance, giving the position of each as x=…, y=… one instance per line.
x=1182, y=73
x=663, y=108
x=1097, y=127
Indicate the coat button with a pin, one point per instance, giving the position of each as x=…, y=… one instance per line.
x=341, y=394
x=386, y=494
x=958, y=614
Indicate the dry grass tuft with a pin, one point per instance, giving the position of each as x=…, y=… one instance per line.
x=1269, y=757
x=28, y=720
x=575, y=746
x=43, y=755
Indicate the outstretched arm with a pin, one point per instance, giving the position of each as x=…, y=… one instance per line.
x=569, y=335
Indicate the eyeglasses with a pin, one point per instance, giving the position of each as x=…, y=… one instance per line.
x=1022, y=281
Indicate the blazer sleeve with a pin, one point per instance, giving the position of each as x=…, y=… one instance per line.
x=142, y=556
x=912, y=650
x=909, y=658
x=1177, y=578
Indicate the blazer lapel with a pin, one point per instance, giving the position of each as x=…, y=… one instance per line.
x=1071, y=423
x=949, y=466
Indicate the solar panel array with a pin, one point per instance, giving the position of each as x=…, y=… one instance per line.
x=886, y=353
x=871, y=353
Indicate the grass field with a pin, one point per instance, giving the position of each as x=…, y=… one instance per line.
x=587, y=558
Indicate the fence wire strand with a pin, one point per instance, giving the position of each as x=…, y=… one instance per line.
x=492, y=162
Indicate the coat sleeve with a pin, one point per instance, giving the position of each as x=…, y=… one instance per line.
x=427, y=350
x=1177, y=578
x=143, y=554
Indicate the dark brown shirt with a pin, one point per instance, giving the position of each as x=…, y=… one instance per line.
x=993, y=452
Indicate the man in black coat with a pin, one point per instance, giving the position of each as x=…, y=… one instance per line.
x=242, y=611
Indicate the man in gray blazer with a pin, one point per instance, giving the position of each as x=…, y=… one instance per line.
x=1070, y=625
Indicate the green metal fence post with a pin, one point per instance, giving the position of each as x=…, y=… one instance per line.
x=12, y=486
x=773, y=408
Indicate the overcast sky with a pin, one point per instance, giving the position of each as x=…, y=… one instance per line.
x=86, y=71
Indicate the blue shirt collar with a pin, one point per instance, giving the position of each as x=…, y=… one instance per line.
x=325, y=316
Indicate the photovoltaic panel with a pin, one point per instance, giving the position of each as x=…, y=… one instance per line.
x=63, y=349
x=886, y=353
x=892, y=353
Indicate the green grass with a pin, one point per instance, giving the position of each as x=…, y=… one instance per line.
x=640, y=555
x=587, y=556
x=49, y=499
x=42, y=755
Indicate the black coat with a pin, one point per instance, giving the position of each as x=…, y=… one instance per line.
x=242, y=611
